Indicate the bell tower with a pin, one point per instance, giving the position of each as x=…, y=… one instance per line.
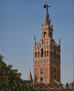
x=46, y=55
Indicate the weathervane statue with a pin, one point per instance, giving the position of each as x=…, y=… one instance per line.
x=46, y=6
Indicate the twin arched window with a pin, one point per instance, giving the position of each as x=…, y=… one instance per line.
x=37, y=54
x=46, y=53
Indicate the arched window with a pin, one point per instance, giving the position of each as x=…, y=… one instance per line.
x=42, y=52
x=50, y=34
x=45, y=53
x=54, y=70
x=54, y=51
x=54, y=77
x=38, y=54
x=35, y=54
x=44, y=34
x=35, y=78
x=41, y=79
x=41, y=71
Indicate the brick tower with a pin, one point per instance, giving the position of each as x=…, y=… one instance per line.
x=46, y=57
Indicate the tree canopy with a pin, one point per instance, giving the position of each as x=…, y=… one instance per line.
x=10, y=80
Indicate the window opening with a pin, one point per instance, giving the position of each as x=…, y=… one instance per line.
x=42, y=52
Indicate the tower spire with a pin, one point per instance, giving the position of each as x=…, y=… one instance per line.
x=46, y=19
x=46, y=6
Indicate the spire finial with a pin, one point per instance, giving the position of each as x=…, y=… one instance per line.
x=34, y=37
x=29, y=69
x=46, y=6
x=59, y=41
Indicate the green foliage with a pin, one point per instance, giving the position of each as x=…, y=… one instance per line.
x=10, y=79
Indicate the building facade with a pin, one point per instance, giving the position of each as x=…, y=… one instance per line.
x=46, y=55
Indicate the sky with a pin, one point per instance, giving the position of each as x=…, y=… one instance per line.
x=20, y=20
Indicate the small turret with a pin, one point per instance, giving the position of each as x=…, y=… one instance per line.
x=59, y=41
x=34, y=40
x=30, y=77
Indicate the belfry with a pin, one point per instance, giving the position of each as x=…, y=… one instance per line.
x=46, y=55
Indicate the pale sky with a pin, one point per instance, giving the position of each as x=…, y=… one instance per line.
x=20, y=20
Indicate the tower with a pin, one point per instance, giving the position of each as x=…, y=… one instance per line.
x=46, y=55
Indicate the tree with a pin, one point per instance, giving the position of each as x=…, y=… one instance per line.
x=10, y=80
